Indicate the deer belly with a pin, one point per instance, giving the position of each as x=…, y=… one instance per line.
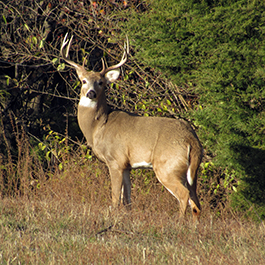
x=142, y=164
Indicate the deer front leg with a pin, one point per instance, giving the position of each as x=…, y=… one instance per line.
x=116, y=176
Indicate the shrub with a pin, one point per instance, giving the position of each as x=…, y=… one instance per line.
x=216, y=49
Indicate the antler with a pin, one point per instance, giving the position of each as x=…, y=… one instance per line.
x=66, y=53
x=121, y=63
x=78, y=66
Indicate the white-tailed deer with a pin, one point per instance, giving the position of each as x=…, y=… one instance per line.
x=125, y=141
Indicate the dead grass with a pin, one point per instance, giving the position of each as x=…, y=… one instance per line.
x=53, y=231
x=67, y=219
x=63, y=215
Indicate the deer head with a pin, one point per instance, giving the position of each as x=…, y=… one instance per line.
x=93, y=83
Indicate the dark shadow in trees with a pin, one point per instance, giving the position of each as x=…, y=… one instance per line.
x=252, y=161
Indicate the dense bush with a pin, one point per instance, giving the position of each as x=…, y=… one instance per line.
x=216, y=48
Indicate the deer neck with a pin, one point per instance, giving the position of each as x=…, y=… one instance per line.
x=91, y=118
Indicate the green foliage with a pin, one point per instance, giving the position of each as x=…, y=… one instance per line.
x=55, y=147
x=217, y=48
x=55, y=151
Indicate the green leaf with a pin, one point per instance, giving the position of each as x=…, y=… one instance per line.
x=77, y=84
x=42, y=43
x=34, y=40
x=42, y=146
x=55, y=60
x=4, y=18
x=48, y=156
x=61, y=67
x=61, y=166
x=169, y=102
x=27, y=27
x=7, y=79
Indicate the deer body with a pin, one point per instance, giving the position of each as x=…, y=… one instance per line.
x=125, y=141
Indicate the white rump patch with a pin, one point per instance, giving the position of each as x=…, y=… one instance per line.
x=189, y=178
x=87, y=102
x=142, y=165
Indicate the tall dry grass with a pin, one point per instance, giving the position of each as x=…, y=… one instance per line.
x=62, y=215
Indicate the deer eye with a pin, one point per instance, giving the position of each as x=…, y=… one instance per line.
x=84, y=81
x=100, y=82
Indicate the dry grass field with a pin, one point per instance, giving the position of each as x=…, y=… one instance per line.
x=64, y=217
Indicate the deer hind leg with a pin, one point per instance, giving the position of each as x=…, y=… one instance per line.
x=174, y=185
x=126, y=188
x=192, y=186
x=194, y=203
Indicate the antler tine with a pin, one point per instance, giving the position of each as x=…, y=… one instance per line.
x=65, y=41
x=65, y=55
x=126, y=45
x=103, y=71
x=122, y=62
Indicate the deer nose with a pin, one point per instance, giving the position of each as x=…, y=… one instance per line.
x=91, y=94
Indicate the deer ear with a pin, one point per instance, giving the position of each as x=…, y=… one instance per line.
x=112, y=75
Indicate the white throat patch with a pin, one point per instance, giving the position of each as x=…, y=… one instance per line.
x=87, y=102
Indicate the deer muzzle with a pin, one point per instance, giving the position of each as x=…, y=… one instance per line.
x=91, y=94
